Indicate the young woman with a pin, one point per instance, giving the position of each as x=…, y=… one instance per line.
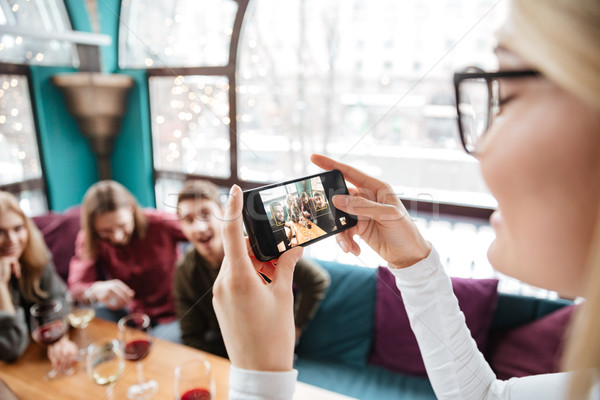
x=125, y=257
x=306, y=207
x=294, y=212
x=27, y=276
x=539, y=148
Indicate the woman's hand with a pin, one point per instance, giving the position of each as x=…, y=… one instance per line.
x=62, y=354
x=114, y=294
x=8, y=267
x=383, y=222
x=256, y=318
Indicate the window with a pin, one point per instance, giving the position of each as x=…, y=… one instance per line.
x=369, y=85
x=191, y=126
x=193, y=122
x=368, y=82
x=20, y=166
x=187, y=33
x=314, y=76
x=48, y=44
x=21, y=44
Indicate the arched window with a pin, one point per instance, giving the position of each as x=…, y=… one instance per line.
x=356, y=80
x=368, y=82
x=190, y=53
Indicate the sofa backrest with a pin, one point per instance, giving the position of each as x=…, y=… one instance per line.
x=59, y=231
x=342, y=328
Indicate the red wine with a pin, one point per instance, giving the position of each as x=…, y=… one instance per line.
x=137, y=349
x=196, y=394
x=50, y=333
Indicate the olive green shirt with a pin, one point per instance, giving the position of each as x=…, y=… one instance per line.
x=194, y=279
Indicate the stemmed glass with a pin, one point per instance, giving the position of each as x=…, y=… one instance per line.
x=136, y=343
x=81, y=313
x=48, y=326
x=193, y=380
x=105, y=363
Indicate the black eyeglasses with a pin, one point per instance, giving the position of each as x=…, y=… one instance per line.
x=478, y=102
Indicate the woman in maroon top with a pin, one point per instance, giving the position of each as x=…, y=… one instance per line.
x=125, y=257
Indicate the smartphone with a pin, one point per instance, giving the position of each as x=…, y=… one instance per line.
x=299, y=212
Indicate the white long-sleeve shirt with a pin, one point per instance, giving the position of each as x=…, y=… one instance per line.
x=456, y=368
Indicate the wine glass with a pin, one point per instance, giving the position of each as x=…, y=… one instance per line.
x=136, y=343
x=48, y=326
x=105, y=363
x=193, y=380
x=81, y=313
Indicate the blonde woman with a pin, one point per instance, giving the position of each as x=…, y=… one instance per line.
x=125, y=257
x=27, y=276
x=539, y=149
x=294, y=213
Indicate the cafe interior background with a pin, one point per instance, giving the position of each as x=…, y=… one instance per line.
x=151, y=92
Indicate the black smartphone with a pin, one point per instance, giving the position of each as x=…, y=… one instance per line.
x=294, y=213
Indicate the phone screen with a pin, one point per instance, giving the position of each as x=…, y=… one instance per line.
x=295, y=213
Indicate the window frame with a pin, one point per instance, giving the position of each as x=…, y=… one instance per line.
x=36, y=183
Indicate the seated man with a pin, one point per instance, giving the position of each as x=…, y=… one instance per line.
x=201, y=213
x=324, y=218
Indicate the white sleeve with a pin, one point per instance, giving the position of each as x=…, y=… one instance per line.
x=456, y=368
x=247, y=384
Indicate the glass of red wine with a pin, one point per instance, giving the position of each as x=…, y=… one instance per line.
x=193, y=380
x=136, y=343
x=48, y=326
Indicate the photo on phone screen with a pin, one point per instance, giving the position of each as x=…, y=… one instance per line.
x=294, y=213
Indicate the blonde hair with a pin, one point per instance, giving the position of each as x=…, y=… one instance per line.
x=582, y=353
x=35, y=256
x=561, y=38
x=293, y=210
x=106, y=196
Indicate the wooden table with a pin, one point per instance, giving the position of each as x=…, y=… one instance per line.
x=25, y=377
x=306, y=234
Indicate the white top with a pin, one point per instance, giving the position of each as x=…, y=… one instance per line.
x=261, y=385
x=456, y=368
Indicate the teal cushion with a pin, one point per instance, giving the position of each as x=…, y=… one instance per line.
x=514, y=310
x=364, y=383
x=342, y=328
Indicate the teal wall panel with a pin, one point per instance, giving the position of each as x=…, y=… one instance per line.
x=132, y=158
x=69, y=163
x=110, y=11
x=108, y=14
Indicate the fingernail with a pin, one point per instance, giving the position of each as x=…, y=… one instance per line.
x=341, y=200
x=343, y=245
x=233, y=189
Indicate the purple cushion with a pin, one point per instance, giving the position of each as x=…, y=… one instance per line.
x=530, y=349
x=60, y=231
x=395, y=346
